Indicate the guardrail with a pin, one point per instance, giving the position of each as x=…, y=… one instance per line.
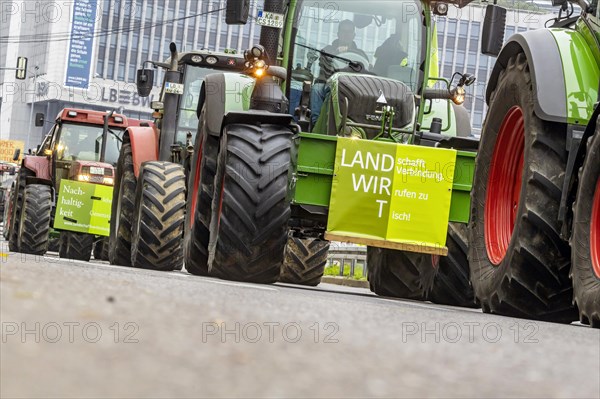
x=343, y=253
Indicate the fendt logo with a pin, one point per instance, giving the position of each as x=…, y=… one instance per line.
x=374, y=118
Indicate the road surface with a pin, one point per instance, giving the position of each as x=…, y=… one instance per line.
x=74, y=329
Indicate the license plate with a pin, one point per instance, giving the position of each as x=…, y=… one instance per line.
x=173, y=88
x=270, y=19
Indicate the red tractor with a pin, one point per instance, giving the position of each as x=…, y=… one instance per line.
x=67, y=185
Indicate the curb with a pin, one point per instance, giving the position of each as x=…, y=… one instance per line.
x=345, y=281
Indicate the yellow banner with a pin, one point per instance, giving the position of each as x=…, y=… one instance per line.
x=7, y=150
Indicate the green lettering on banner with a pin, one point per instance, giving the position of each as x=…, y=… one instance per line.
x=83, y=207
x=386, y=191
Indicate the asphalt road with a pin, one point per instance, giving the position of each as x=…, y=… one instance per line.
x=73, y=329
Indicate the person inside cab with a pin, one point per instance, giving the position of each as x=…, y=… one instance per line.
x=343, y=45
x=390, y=54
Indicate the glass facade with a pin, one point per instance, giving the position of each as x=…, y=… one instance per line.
x=143, y=29
x=459, y=41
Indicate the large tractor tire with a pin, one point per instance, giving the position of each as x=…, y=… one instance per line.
x=54, y=244
x=2, y=205
x=439, y=279
x=119, y=246
x=101, y=249
x=8, y=214
x=34, y=225
x=16, y=207
x=451, y=284
x=519, y=263
x=198, y=212
x=585, y=244
x=304, y=261
x=251, y=206
x=77, y=246
x=398, y=274
x=156, y=240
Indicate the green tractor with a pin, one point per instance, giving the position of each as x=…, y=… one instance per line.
x=370, y=148
x=167, y=148
x=535, y=218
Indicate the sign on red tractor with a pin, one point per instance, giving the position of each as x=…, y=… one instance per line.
x=7, y=150
x=83, y=207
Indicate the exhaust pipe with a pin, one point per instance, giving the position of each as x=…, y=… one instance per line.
x=269, y=37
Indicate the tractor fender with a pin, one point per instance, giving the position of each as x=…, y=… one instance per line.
x=39, y=180
x=40, y=166
x=220, y=94
x=144, y=145
x=563, y=71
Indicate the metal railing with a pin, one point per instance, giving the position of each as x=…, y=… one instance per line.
x=347, y=253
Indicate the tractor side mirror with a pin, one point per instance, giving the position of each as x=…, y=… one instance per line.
x=16, y=154
x=237, y=12
x=145, y=81
x=494, y=26
x=556, y=3
x=39, y=119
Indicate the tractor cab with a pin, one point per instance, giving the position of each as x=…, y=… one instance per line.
x=78, y=147
x=194, y=66
x=379, y=38
x=176, y=112
x=352, y=61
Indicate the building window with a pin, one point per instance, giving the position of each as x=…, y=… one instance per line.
x=100, y=67
x=451, y=27
x=132, y=74
x=121, y=75
x=135, y=42
x=111, y=69
x=464, y=27
x=182, y=5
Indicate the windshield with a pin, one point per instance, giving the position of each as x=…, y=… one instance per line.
x=188, y=120
x=84, y=143
x=378, y=37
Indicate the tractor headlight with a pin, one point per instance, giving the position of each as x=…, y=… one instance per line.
x=83, y=177
x=109, y=181
x=458, y=95
x=260, y=68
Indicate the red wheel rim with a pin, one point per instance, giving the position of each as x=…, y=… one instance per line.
x=595, y=231
x=196, y=186
x=504, y=185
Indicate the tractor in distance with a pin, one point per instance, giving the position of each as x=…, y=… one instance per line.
x=7, y=176
x=535, y=217
x=169, y=146
x=65, y=187
x=267, y=189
